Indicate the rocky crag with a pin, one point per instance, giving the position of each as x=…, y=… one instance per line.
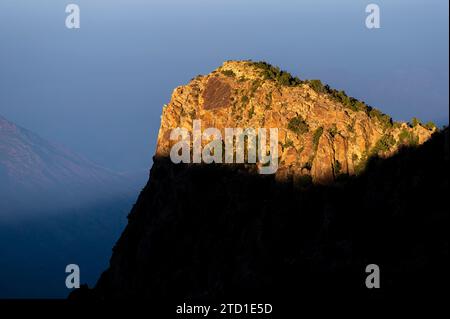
x=323, y=133
x=214, y=232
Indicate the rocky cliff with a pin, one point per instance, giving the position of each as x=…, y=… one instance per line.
x=323, y=133
x=213, y=232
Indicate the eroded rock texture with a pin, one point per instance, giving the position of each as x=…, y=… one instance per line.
x=319, y=136
x=214, y=232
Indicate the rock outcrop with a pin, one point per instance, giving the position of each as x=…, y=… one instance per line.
x=223, y=232
x=321, y=134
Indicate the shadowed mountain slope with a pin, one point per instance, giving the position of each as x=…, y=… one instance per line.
x=211, y=232
x=206, y=232
x=56, y=208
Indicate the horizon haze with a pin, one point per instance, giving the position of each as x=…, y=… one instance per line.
x=100, y=89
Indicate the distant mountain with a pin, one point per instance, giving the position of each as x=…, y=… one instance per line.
x=56, y=208
x=33, y=170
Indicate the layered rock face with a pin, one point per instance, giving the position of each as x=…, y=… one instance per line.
x=207, y=232
x=320, y=136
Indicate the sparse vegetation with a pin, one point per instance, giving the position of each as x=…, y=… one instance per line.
x=197, y=77
x=333, y=131
x=317, y=86
x=415, y=121
x=350, y=102
x=430, y=125
x=384, y=119
x=384, y=144
x=251, y=112
x=316, y=137
x=244, y=100
x=351, y=127
x=283, y=78
x=407, y=137
x=269, y=100
x=337, y=168
x=298, y=125
x=361, y=163
x=254, y=87
x=229, y=73
x=288, y=143
x=270, y=72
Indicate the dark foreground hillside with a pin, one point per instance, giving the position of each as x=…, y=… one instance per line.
x=210, y=233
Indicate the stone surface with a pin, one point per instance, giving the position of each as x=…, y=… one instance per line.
x=238, y=95
x=215, y=232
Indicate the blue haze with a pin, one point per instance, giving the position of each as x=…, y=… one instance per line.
x=99, y=90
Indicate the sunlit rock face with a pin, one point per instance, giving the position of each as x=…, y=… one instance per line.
x=321, y=135
x=216, y=232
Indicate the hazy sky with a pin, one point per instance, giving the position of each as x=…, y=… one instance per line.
x=99, y=90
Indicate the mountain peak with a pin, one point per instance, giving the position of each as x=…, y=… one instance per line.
x=33, y=168
x=245, y=69
x=322, y=132
x=214, y=231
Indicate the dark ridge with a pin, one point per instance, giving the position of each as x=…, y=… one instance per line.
x=211, y=233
